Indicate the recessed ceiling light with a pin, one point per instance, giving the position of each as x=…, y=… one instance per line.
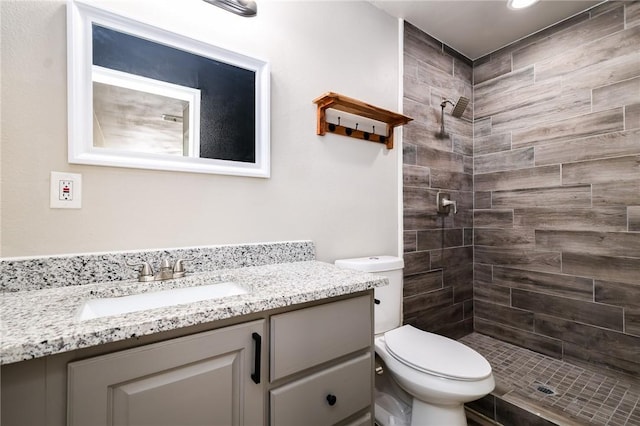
x=520, y=4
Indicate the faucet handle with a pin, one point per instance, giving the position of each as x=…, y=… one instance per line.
x=178, y=267
x=145, y=273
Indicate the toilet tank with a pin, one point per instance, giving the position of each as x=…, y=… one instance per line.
x=387, y=313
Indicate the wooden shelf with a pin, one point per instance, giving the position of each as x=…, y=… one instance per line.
x=331, y=100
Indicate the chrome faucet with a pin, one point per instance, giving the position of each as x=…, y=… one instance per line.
x=166, y=272
x=444, y=203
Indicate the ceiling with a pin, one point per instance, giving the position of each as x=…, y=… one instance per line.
x=476, y=28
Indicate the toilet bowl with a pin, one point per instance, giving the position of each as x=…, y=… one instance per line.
x=439, y=373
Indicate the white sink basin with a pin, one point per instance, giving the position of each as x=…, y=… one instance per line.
x=97, y=308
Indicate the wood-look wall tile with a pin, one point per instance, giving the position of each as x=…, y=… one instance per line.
x=605, y=219
x=598, y=171
x=595, y=147
x=468, y=164
x=416, y=262
x=430, y=319
x=618, y=94
x=616, y=69
x=589, y=338
x=535, y=177
x=571, y=62
x=454, y=331
x=421, y=115
x=409, y=153
x=632, y=322
x=622, y=269
x=597, y=314
x=433, y=299
x=492, y=293
x=482, y=200
x=443, y=84
x=416, y=198
x=566, y=196
x=415, y=176
x=481, y=127
x=421, y=37
x=497, y=65
x=468, y=236
x=506, y=315
x=543, y=282
x=410, y=66
x=577, y=353
x=632, y=116
x=625, y=244
x=482, y=273
x=516, y=98
x=416, y=90
x=444, y=179
x=425, y=49
x=512, y=81
x=512, y=238
x=611, y=120
x=462, y=144
x=435, y=239
x=493, y=218
x=410, y=239
x=422, y=283
x=565, y=106
x=460, y=277
x=502, y=161
x=544, y=261
x=535, y=342
x=451, y=257
x=632, y=14
x=571, y=38
x=462, y=70
x=467, y=308
x=614, y=192
x=492, y=143
x=438, y=159
x=419, y=134
x=633, y=213
x=418, y=219
x=620, y=294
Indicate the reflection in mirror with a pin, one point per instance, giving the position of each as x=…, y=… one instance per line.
x=132, y=113
x=143, y=97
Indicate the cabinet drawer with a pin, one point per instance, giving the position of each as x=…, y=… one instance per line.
x=306, y=401
x=308, y=337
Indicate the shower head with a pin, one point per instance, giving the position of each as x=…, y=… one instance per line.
x=458, y=107
x=461, y=105
x=239, y=7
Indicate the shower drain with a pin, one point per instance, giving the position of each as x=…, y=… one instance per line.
x=545, y=389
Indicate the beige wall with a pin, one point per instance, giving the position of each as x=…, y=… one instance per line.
x=340, y=192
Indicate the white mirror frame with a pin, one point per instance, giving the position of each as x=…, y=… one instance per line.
x=80, y=18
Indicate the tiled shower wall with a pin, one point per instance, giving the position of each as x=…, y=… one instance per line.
x=438, y=291
x=557, y=190
x=556, y=226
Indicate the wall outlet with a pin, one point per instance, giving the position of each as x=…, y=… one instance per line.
x=66, y=190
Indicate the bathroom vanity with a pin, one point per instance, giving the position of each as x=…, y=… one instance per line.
x=295, y=349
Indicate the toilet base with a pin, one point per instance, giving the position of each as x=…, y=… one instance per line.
x=423, y=414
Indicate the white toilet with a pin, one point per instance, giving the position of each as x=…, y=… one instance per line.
x=439, y=373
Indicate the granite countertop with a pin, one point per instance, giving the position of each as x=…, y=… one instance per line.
x=44, y=322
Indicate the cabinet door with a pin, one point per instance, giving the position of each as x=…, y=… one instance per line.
x=204, y=379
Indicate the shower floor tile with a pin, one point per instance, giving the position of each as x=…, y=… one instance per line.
x=558, y=391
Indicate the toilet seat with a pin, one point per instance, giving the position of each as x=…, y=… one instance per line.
x=436, y=355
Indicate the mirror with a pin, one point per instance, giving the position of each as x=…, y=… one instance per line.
x=143, y=97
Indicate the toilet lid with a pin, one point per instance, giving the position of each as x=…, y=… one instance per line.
x=436, y=355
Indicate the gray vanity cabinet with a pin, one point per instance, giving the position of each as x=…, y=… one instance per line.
x=321, y=363
x=205, y=379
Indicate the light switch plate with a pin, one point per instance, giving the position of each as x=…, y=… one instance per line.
x=66, y=190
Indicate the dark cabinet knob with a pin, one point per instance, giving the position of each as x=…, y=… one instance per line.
x=332, y=399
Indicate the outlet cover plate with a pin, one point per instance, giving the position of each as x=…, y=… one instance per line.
x=66, y=190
